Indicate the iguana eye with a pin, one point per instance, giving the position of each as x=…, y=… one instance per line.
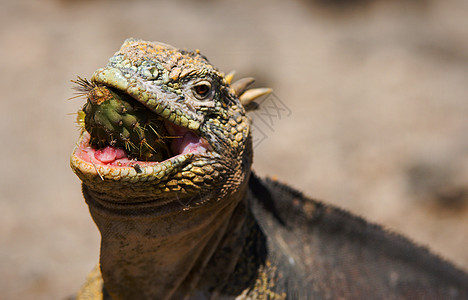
x=202, y=90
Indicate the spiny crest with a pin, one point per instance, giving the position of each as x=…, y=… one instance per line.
x=241, y=90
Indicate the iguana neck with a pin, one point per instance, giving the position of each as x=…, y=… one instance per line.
x=163, y=256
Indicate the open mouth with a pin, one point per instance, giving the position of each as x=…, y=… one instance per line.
x=183, y=142
x=120, y=132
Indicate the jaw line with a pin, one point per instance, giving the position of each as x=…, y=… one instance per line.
x=123, y=191
x=90, y=169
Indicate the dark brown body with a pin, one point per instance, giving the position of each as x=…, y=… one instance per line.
x=293, y=247
x=322, y=252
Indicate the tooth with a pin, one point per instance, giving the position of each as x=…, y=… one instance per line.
x=143, y=96
x=151, y=103
x=115, y=172
x=104, y=170
x=132, y=172
x=194, y=125
x=172, y=117
x=124, y=172
x=183, y=121
x=166, y=113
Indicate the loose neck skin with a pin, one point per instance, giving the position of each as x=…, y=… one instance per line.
x=159, y=257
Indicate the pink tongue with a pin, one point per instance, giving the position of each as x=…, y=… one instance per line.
x=185, y=141
x=191, y=142
x=109, y=154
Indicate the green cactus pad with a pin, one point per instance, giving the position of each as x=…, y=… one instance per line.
x=116, y=119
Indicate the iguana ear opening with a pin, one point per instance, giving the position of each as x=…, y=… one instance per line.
x=246, y=95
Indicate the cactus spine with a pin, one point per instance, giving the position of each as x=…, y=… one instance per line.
x=115, y=119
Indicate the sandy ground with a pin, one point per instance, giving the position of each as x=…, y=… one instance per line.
x=373, y=117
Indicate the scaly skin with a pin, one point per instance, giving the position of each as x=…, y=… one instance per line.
x=199, y=225
x=184, y=204
x=220, y=119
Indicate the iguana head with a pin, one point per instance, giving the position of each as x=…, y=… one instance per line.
x=161, y=125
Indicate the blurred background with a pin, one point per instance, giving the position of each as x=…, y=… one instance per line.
x=374, y=114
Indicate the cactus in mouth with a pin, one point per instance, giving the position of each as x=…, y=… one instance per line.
x=116, y=119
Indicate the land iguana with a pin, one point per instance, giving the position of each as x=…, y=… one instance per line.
x=165, y=159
